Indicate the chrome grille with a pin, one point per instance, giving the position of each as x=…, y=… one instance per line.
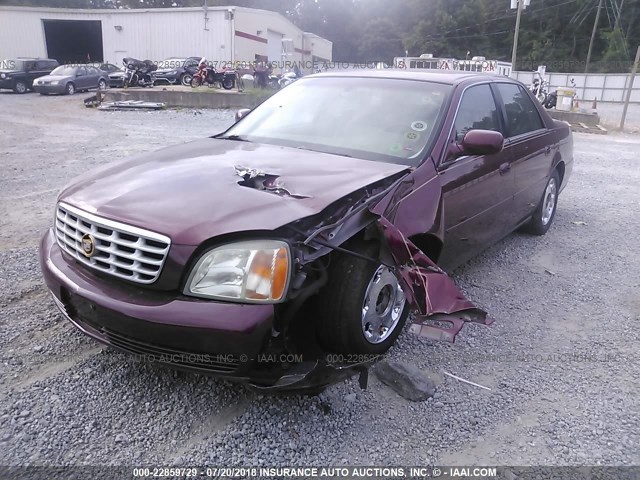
x=120, y=250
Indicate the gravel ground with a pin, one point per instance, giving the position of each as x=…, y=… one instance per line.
x=561, y=359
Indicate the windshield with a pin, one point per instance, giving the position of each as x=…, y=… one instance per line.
x=371, y=118
x=10, y=64
x=171, y=63
x=64, y=70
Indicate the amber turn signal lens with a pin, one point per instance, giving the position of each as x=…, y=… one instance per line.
x=267, y=275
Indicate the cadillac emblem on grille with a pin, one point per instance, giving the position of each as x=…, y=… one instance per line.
x=88, y=245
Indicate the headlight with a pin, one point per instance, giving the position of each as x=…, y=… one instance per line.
x=172, y=72
x=55, y=82
x=3, y=75
x=255, y=271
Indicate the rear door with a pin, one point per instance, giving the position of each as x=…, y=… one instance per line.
x=83, y=79
x=94, y=76
x=528, y=141
x=477, y=190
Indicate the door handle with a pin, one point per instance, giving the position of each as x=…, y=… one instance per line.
x=504, y=168
x=547, y=150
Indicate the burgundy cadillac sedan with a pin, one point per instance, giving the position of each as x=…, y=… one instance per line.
x=287, y=252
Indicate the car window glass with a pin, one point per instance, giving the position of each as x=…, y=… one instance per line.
x=41, y=65
x=522, y=114
x=477, y=111
x=81, y=71
x=29, y=66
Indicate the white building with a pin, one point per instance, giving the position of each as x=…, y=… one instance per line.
x=477, y=64
x=223, y=34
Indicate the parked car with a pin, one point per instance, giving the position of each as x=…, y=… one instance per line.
x=106, y=67
x=69, y=79
x=116, y=79
x=173, y=71
x=18, y=74
x=315, y=224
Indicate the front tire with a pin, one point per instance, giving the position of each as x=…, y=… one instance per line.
x=102, y=85
x=70, y=89
x=195, y=82
x=546, y=211
x=363, y=306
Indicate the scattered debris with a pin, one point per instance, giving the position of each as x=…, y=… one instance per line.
x=407, y=380
x=132, y=105
x=550, y=272
x=94, y=100
x=460, y=379
x=579, y=222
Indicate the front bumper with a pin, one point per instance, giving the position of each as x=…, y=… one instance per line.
x=49, y=88
x=221, y=339
x=117, y=82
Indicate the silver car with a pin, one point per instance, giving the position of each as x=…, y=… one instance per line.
x=69, y=79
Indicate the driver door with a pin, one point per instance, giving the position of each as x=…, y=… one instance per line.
x=477, y=190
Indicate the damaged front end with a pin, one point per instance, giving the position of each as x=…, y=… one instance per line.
x=440, y=309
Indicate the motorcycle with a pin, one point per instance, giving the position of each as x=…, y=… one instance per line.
x=138, y=73
x=539, y=88
x=289, y=77
x=208, y=75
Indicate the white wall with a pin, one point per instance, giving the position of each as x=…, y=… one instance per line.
x=156, y=34
x=145, y=34
x=605, y=87
x=264, y=25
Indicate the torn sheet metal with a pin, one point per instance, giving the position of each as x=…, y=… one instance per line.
x=429, y=290
x=268, y=182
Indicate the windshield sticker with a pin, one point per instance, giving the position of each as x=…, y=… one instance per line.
x=419, y=126
x=412, y=136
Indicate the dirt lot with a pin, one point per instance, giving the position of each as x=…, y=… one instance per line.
x=561, y=360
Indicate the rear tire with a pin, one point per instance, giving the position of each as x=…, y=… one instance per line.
x=20, y=87
x=227, y=83
x=546, y=211
x=363, y=308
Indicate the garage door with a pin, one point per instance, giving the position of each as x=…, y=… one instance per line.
x=274, y=46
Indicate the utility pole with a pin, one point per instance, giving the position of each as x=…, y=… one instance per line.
x=593, y=36
x=627, y=99
x=520, y=5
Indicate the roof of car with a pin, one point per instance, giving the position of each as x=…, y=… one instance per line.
x=448, y=77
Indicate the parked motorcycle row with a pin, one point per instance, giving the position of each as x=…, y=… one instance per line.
x=143, y=73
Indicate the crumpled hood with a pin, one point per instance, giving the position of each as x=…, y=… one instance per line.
x=191, y=193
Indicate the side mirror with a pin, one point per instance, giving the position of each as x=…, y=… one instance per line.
x=481, y=142
x=242, y=113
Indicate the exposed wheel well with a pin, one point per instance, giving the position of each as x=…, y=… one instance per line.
x=560, y=168
x=429, y=244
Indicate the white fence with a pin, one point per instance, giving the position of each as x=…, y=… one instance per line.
x=606, y=87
